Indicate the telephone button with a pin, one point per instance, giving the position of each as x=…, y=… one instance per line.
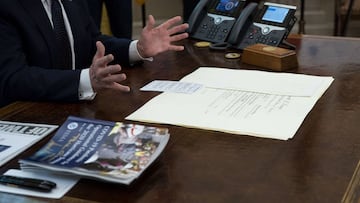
x=221, y=37
x=217, y=20
x=252, y=35
x=274, y=40
x=266, y=30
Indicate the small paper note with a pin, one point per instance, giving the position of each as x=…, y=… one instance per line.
x=171, y=86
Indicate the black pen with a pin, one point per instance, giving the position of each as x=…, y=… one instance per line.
x=27, y=183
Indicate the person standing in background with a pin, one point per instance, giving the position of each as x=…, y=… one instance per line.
x=188, y=6
x=119, y=13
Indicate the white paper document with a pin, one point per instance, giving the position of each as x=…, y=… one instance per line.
x=248, y=102
x=16, y=137
x=171, y=86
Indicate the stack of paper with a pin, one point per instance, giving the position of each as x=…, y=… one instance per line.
x=248, y=102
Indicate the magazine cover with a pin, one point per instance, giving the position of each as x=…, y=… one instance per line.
x=110, y=151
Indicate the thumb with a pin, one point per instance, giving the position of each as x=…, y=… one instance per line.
x=100, y=50
x=150, y=23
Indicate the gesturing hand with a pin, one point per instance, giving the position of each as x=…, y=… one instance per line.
x=104, y=76
x=159, y=39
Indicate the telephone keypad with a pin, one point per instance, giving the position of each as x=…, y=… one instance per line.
x=211, y=30
x=256, y=36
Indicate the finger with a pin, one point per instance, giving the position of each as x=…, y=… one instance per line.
x=103, y=61
x=120, y=87
x=178, y=29
x=113, y=82
x=109, y=70
x=117, y=86
x=117, y=78
x=175, y=48
x=179, y=37
x=171, y=22
x=100, y=50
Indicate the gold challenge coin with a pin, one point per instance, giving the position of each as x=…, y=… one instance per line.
x=232, y=55
x=202, y=44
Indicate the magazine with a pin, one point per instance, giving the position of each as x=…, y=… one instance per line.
x=16, y=137
x=109, y=151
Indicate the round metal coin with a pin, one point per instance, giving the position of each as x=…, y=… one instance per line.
x=232, y=55
x=202, y=44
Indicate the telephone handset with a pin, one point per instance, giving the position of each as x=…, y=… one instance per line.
x=213, y=20
x=271, y=26
x=243, y=23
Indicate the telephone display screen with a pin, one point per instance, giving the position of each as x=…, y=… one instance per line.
x=227, y=7
x=275, y=14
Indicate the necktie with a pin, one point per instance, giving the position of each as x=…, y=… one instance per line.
x=62, y=40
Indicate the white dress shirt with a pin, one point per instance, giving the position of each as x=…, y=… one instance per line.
x=86, y=92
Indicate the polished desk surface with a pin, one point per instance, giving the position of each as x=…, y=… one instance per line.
x=208, y=166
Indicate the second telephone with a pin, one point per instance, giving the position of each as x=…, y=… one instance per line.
x=238, y=24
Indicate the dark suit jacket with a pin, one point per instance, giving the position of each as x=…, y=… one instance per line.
x=27, y=53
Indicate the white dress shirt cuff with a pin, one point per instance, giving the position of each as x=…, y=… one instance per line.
x=134, y=55
x=85, y=90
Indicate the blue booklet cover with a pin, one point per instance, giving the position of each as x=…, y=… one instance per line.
x=109, y=151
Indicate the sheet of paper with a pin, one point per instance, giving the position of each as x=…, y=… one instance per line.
x=171, y=86
x=63, y=184
x=256, y=81
x=240, y=109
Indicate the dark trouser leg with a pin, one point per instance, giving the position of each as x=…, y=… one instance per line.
x=120, y=17
x=188, y=6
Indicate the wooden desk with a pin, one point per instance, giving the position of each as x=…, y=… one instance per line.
x=207, y=166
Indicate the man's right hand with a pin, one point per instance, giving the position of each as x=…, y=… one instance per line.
x=104, y=76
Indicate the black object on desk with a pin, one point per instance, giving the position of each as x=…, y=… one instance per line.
x=27, y=183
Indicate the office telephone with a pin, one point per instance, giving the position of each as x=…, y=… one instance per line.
x=233, y=23
x=212, y=20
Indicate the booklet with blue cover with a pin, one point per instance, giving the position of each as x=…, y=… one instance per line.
x=109, y=151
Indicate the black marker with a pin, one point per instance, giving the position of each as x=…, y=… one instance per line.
x=27, y=183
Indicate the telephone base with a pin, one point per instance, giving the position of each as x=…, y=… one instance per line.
x=287, y=45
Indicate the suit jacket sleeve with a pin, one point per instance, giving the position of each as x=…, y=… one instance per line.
x=27, y=51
